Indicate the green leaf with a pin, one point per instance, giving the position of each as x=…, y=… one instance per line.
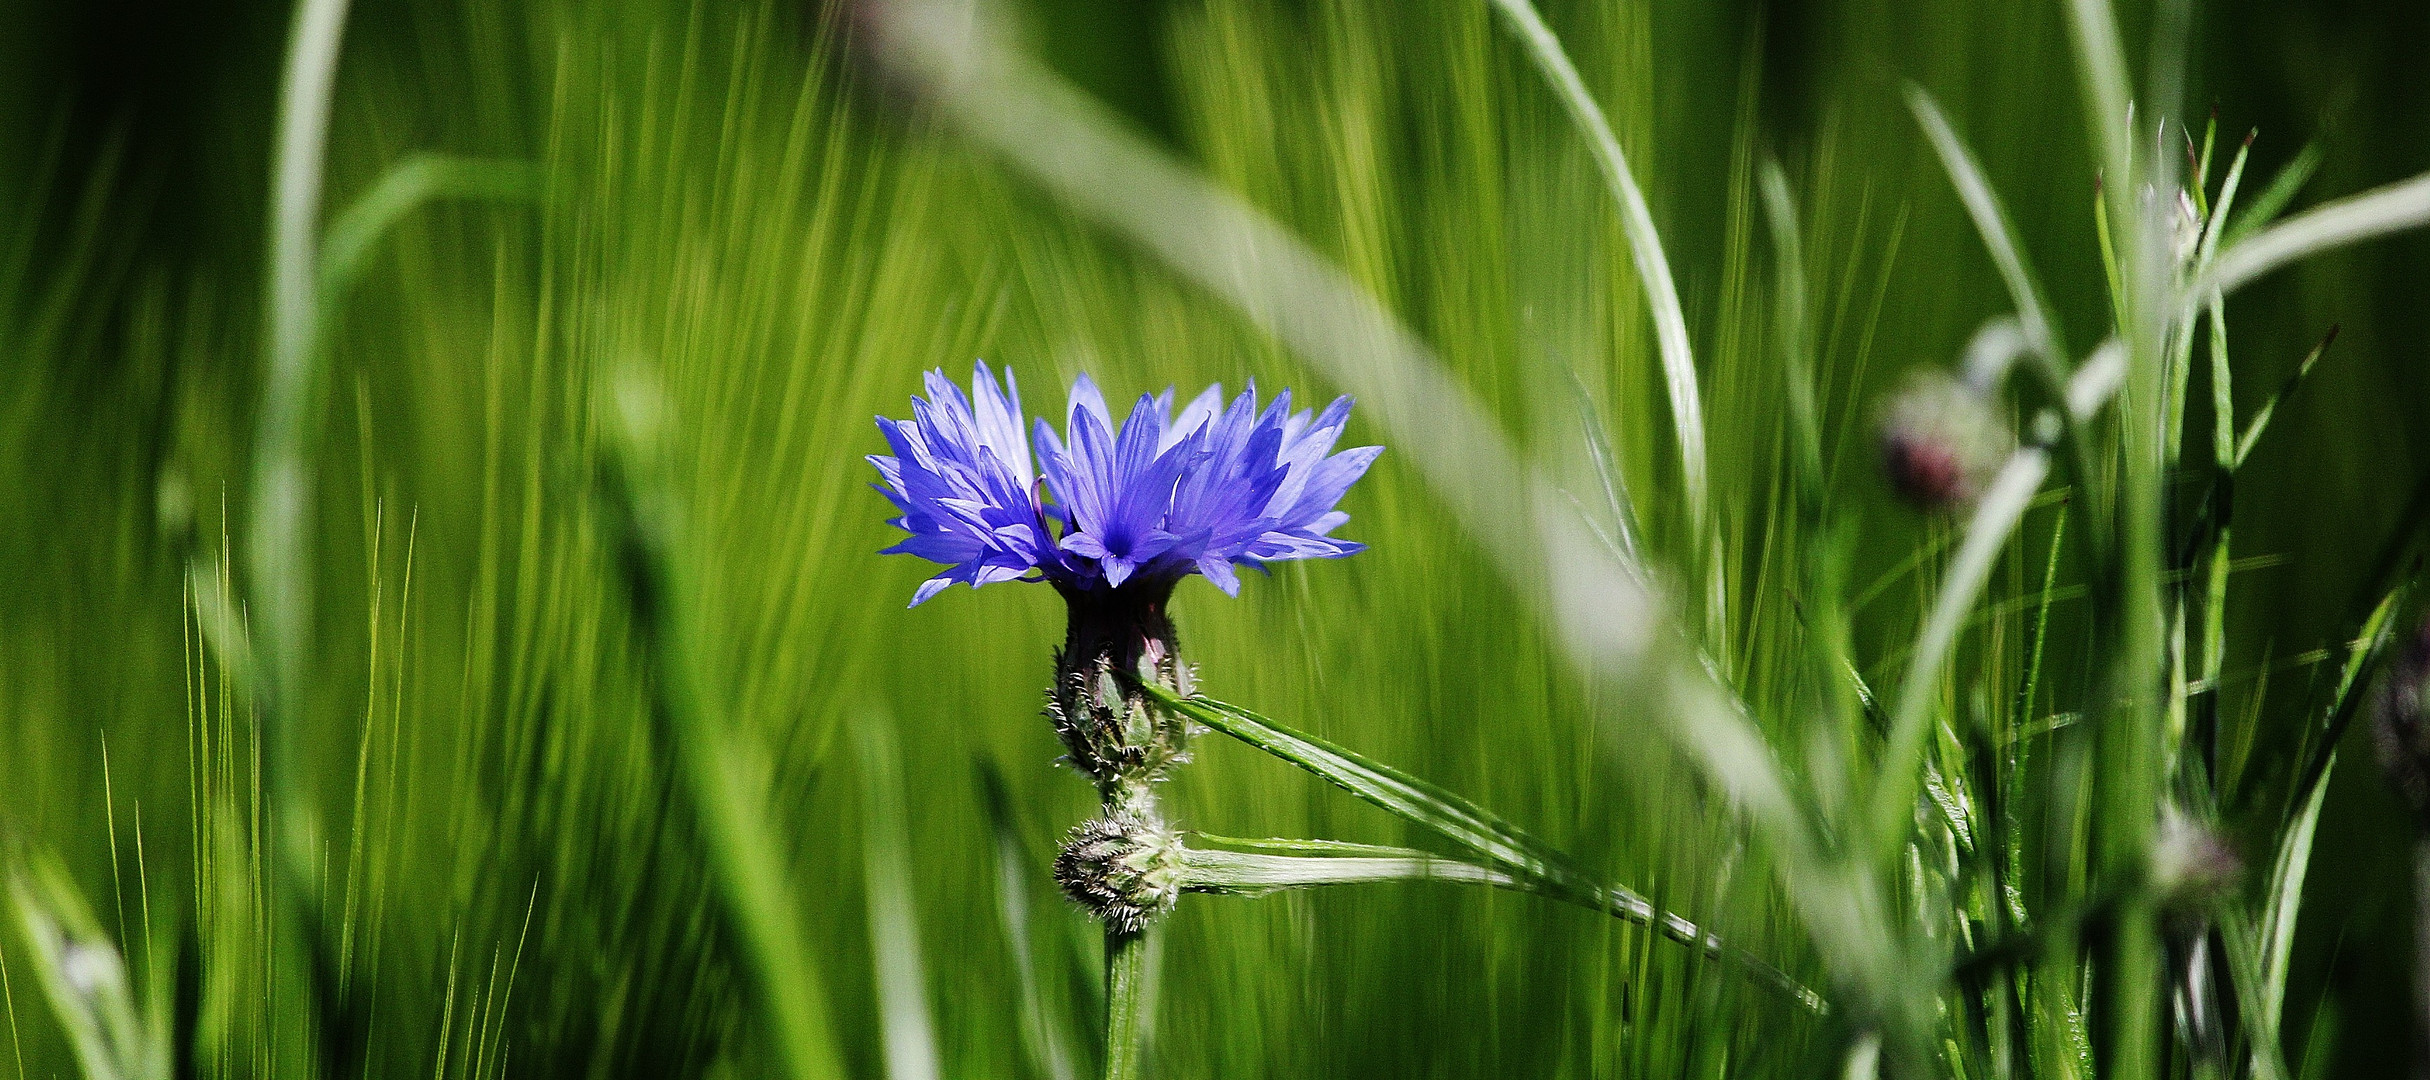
x=1501, y=850
x=2261, y=417
x=2273, y=199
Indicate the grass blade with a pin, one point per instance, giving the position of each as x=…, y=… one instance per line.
x=2274, y=199
x=1999, y=237
x=2261, y=416
x=2002, y=507
x=1644, y=241
x=408, y=186
x=1796, y=341
x=2283, y=901
x=2394, y=208
x=278, y=556
x=1502, y=850
x=894, y=934
x=2370, y=643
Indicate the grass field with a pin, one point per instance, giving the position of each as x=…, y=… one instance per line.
x=444, y=634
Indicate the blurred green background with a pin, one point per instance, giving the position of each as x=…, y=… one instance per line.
x=729, y=205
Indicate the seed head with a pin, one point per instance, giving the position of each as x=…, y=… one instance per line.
x=2400, y=721
x=1124, y=867
x=1941, y=441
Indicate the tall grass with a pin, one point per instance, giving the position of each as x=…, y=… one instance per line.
x=1633, y=585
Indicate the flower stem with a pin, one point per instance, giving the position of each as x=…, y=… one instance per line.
x=1128, y=972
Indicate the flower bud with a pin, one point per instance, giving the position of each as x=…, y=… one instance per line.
x=1941, y=441
x=1124, y=867
x=1111, y=731
x=2192, y=864
x=2400, y=720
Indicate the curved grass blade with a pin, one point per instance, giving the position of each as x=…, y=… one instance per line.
x=1644, y=241
x=408, y=186
x=1502, y=850
x=1901, y=774
x=1999, y=237
x=2378, y=212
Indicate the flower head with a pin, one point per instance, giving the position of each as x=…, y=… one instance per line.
x=1146, y=501
x=1941, y=441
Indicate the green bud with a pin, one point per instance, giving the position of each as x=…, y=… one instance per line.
x=1124, y=867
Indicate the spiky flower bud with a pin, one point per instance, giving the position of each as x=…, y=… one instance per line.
x=1124, y=867
x=1941, y=441
x=1113, y=641
x=2400, y=720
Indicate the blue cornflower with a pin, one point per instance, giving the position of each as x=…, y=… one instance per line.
x=1136, y=506
x=964, y=481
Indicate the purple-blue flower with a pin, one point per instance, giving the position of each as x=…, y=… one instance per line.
x=1140, y=504
x=963, y=479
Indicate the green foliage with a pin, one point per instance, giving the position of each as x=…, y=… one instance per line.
x=559, y=731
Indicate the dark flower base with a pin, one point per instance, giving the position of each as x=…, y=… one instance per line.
x=1114, y=638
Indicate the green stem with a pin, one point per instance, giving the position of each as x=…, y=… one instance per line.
x=711, y=757
x=279, y=565
x=1644, y=241
x=1127, y=1001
